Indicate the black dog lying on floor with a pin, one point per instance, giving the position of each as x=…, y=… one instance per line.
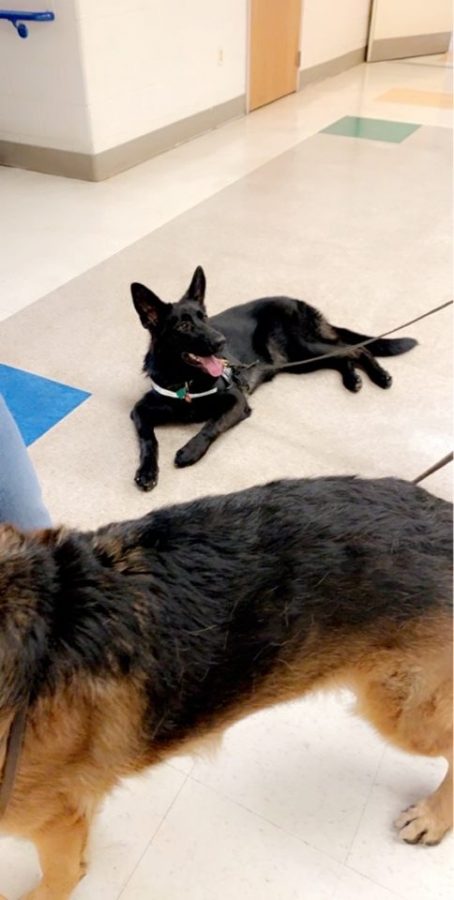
x=202, y=369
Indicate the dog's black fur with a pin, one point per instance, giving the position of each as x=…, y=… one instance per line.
x=257, y=339
x=139, y=640
x=204, y=599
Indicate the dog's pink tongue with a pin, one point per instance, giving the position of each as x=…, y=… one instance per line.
x=212, y=365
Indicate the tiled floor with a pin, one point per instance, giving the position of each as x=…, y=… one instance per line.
x=299, y=801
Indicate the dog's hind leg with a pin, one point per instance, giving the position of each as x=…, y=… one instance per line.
x=61, y=846
x=410, y=702
x=428, y=821
x=350, y=378
x=373, y=369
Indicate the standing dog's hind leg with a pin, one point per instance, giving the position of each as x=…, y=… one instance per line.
x=408, y=698
x=428, y=821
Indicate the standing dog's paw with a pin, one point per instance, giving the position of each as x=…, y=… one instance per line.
x=144, y=480
x=420, y=825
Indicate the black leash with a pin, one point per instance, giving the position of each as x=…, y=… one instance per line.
x=13, y=739
x=439, y=465
x=371, y=340
x=346, y=347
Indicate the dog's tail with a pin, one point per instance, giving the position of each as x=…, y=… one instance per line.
x=380, y=346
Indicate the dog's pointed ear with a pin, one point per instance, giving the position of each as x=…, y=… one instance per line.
x=197, y=288
x=149, y=307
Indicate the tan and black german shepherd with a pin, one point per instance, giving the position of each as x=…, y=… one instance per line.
x=131, y=643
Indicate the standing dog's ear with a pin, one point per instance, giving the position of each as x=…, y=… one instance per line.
x=197, y=288
x=148, y=306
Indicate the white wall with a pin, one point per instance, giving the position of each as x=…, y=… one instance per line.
x=151, y=63
x=42, y=88
x=406, y=18
x=330, y=28
x=108, y=71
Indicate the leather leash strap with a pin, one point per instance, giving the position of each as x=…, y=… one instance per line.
x=14, y=740
x=439, y=465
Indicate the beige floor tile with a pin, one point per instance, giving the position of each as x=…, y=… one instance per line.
x=307, y=767
x=124, y=828
x=210, y=847
x=352, y=886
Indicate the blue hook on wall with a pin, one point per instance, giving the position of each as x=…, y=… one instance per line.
x=18, y=19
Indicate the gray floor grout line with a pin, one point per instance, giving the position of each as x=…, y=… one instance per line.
x=155, y=832
x=263, y=818
x=375, y=882
x=361, y=817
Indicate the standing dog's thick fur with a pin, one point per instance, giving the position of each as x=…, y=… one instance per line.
x=257, y=340
x=132, y=642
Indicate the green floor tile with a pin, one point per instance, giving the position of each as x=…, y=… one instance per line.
x=371, y=129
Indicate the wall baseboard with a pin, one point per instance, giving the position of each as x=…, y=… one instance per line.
x=117, y=159
x=46, y=159
x=331, y=67
x=413, y=45
x=99, y=166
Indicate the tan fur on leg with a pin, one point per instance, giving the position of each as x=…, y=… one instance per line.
x=408, y=698
x=60, y=847
x=428, y=821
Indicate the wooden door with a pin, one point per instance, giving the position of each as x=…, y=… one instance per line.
x=274, y=50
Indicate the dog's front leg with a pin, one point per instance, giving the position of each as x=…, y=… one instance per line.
x=60, y=848
x=234, y=409
x=148, y=413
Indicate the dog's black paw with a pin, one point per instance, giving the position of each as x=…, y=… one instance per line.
x=185, y=457
x=353, y=382
x=385, y=380
x=190, y=453
x=146, y=481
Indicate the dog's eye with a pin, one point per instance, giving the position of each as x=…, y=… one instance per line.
x=184, y=326
x=201, y=315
